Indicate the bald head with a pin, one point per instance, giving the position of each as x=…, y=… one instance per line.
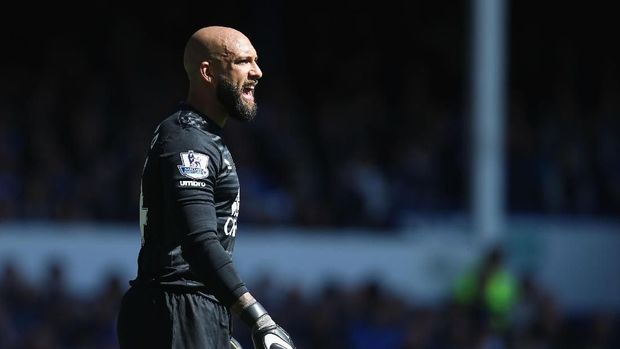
x=211, y=43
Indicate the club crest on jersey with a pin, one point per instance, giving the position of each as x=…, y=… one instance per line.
x=194, y=165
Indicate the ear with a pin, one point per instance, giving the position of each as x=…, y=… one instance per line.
x=205, y=71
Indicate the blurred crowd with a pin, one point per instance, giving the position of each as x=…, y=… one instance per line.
x=489, y=308
x=351, y=131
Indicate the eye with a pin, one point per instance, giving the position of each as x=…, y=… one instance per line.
x=246, y=60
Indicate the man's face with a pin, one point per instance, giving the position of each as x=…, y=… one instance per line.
x=239, y=77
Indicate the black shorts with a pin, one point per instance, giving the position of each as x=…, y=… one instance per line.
x=155, y=318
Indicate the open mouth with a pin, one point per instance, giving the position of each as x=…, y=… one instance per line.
x=248, y=93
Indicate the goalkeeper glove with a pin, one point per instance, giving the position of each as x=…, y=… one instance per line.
x=266, y=334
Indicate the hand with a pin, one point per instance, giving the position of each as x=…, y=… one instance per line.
x=266, y=334
x=272, y=337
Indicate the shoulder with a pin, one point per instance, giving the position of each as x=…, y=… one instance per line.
x=178, y=133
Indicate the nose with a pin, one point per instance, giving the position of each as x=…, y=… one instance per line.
x=255, y=72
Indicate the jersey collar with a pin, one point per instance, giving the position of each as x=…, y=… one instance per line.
x=192, y=117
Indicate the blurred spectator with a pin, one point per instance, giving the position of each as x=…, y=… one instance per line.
x=44, y=314
x=536, y=321
x=490, y=290
x=377, y=319
x=603, y=331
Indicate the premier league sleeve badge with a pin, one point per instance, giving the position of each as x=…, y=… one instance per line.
x=194, y=165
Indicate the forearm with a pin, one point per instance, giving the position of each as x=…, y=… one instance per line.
x=209, y=259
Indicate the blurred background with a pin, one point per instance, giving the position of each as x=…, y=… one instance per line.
x=420, y=175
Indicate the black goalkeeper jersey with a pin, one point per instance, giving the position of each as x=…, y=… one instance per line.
x=189, y=202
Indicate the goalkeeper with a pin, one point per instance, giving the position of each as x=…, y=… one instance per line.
x=186, y=285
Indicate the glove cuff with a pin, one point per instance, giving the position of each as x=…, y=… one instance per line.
x=250, y=314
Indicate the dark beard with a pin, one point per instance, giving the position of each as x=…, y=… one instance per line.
x=231, y=99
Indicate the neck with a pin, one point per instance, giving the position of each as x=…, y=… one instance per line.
x=207, y=106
